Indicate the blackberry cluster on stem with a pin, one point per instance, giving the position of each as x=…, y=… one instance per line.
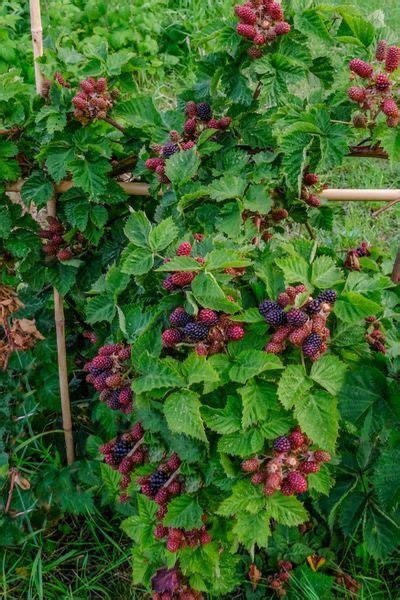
x=208, y=332
x=109, y=373
x=287, y=468
x=374, y=336
x=55, y=245
x=310, y=189
x=304, y=327
x=199, y=117
x=179, y=538
x=93, y=101
x=170, y=584
x=280, y=580
x=352, y=257
x=377, y=93
x=264, y=223
x=181, y=279
x=125, y=453
x=163, y=483
x=261, y=22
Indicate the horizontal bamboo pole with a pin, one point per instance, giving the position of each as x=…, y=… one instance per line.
x=331, y=194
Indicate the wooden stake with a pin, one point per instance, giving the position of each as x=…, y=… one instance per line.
x=37, y=41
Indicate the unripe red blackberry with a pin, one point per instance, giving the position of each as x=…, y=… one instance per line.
x=300, y=289
x=173, y=545
x=190, y=126
x=208, y=316
x=184, y=249
x=182, y=278
x=153, y=163
x=297, y=482
x=137, y=457
x=125, y=396
x=272, y=483
x=381, y=48
x=296, y=439
x=254, y=52
x=174, y=462
x=137, y=431
x=392, y=60
x=101, y=85
x=125, y=481
x=284, y=576
x=162, y=511
x=361, y=68
x=174, y=488
x=161, y=496
x=236, y=332
x=258, y=477
x=205, y=537
x=282, y=28
x=213, y=124
x=160, y=532
x=286, y=488
x=204, y=112
x=246, y=14
x=188, y=145
x=298, y=336
x=390, y=108
x=284, y=300
x=64, y=254
x=125, y=466
x=247, y=31
x=322, y=456
x=270, y=35
x=357, y=94
x=190, y=108
x=296, y=317
x=100, y=382
x=201, y=349
x=79, y=102
x=311, y=178
x=382, y=82
x=313, y=200
x=109, y=349
x=309, y=466
x=312, y=344
x=102, y=362
x=275, y=11
x=251, y=465
x=360, y=121
x=282, y=444
x=259, y=39
x=87, y=86
x=393, y=121
x=278, y=214
x=179, y=317
x=174, y=136
x=224, y=122
x=171, y=337
x=168, y=284
x=274, y=347
x=281, y=334
x=196, y=332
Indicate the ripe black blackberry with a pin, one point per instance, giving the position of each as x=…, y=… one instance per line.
x=120, y=450
x=266, y=306
x=296, y=317
x=282, y=444
x=196, y=331
x=204, y=111
x=312, y=344
x=179, y=317
x=276, y=317
x=313, y=306
x=157, y=480
x=328, y=296
x=113, y=400
x=169, y=149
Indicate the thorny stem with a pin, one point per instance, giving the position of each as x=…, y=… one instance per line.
x=13, y=474
x=135, y=447
x=170, y=480
x=310, y=230
x=114, y=123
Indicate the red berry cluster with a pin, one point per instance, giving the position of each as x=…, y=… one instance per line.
x=209, y=331
x=180, y=279
x=163, y=483
x=55, y=245
x=374, y=336
x=109, y=373
x=93, y=101
x=287, y=468
x=354, y=254
x=376, y=95
x=125, y=453
x=199, y=117
x=264, y=222
x=310, y=188
x=304, y=326
x=169, y=584
x=348, y=582
x=261, y=21
x=179, y=538
x=60, y=80
x=278, y=582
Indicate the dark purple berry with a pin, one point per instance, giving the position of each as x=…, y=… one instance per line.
x=276, y=317
x=266, y=306
x=204, y=111
x=313, y=306
x=196, y=331
x=169, y=149
x=328, y=296
x=282, y=444
x=296, y=317
x=120, y=450
x=157, y=480
x=179, y=317
x=312, y=344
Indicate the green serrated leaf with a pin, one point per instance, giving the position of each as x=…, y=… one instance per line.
x=182, y=412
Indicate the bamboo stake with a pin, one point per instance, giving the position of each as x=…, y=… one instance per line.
x=59, y=318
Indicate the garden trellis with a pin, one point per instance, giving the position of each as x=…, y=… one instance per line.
x=389, y=196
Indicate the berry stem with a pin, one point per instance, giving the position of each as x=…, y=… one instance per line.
x=135, y=447
x=114, y=123
x=170, y=480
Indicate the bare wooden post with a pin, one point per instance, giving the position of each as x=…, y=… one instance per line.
x=37, y=41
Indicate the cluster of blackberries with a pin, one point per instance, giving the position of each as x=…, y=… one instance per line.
x=163, y=483
x=209, y=331
x=377, y=95
x=179, y=538
x=109, y=373
x=352, y=257
x=374, y=336
x=125, y=453
x=261, y=21
x=279, y=581
x=55, y=245
x=310, y=188
x=199, y=117
x=169, y=584
x=60, y=80
x=180, y=279
x=305, y=326
x=264, y=222
x=93, y=101
x=287, y=469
